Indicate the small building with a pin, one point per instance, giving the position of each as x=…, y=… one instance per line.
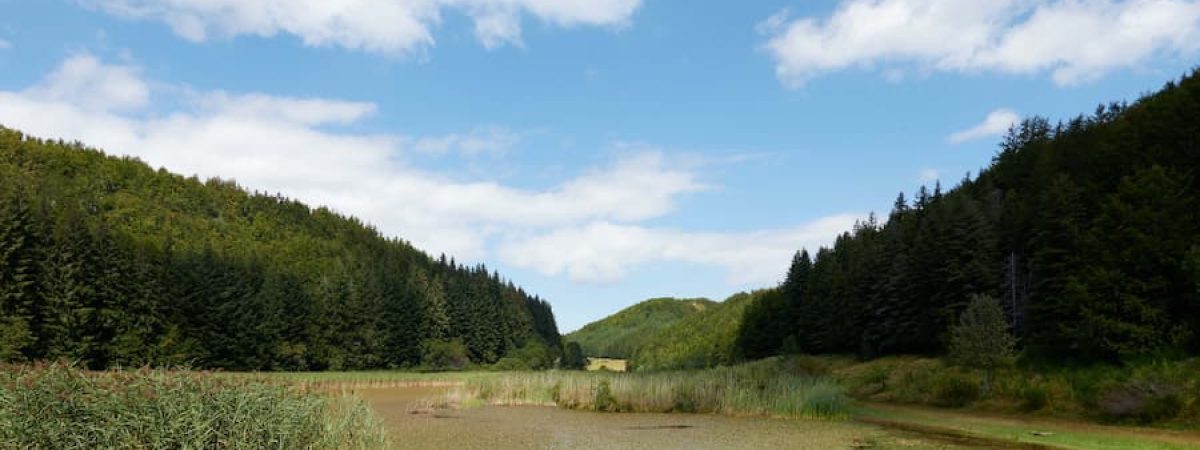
x=610, y=364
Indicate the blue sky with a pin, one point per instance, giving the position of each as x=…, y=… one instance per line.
x=596, y=152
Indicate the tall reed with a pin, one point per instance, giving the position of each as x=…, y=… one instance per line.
x=734, y=391
x=60, y=407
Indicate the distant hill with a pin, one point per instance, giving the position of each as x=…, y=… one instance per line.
x=704, y=339
x=107, y=261
x=621, y=334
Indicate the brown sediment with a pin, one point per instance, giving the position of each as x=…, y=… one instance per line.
x=954, y=436
x=542, y=427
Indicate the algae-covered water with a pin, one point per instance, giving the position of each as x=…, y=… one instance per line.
x=415, y=426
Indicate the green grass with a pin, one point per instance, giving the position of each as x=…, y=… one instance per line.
x=1025, y=430
x=742, y=390
x=60, y=407
x=1163, y=393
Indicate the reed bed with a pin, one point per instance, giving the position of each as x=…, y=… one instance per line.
x=57, y=406
x=366, y=379
x=733, y=391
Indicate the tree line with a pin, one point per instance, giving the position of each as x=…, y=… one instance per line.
x=1086, y=231
x=106, y=261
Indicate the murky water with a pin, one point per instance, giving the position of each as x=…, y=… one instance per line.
x=532, y=427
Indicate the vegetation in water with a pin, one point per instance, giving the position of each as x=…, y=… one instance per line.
x=106, y=261
x=62, y=407
x=753, y=389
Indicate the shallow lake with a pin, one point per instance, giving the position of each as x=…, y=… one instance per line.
x=541, y=427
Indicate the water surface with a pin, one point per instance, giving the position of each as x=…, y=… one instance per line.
x=415, y=426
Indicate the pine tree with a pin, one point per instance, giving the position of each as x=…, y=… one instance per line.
x=981, y=339
x=18, y=276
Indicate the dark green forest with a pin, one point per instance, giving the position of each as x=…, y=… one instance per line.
x=108, y=262
x=1085, y=230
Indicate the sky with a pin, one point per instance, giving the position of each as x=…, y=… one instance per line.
x=596, y=152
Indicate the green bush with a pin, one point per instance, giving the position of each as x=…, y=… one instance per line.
x=604, y=398
x=1034, y=398
x=955, y=390
x=444, y=354
x=510, y=364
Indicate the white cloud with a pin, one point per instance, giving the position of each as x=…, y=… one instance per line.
x=602, y=252
x=929, y=175
x=588, y=226
x=384, y=26
x=85, y=82
x=280, y=144
x=5, y=44
x=1074, y=40
x=996, y=123
x=490, y=140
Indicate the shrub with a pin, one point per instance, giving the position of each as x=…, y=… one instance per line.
x=510, y=364
x=604, y=399
x=1141, y=402
x=955, y=390
x=442, y=354
x=1033, y=398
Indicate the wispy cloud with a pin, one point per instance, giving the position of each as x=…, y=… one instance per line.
x=928, y=175
x=996, y=123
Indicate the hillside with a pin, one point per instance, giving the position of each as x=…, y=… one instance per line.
x=1087, y=231
x=704, y=339
x=622, y=334
x=109, y=262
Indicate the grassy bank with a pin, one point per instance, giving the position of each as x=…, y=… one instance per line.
x=1158, y=393
x=755, y=389
x=60, y=407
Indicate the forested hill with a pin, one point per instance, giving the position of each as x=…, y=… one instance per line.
x=107, y=261
x=704, y=339
x=621, y=334
x=1086, y=231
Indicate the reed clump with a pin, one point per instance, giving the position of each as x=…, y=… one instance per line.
x=57, y=406
x=742, y=390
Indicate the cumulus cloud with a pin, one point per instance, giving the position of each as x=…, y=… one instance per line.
x=384, y=26
x=85, y=82
x=996, y=123
x=587, y=226
x=601, y=252
x=1075, y=40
